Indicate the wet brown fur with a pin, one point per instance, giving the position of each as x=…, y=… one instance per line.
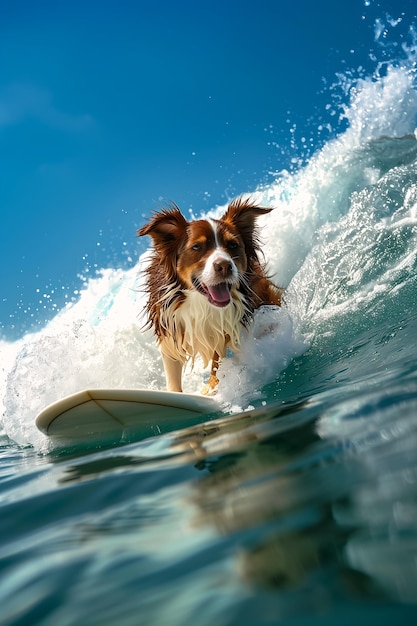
x=180, y=250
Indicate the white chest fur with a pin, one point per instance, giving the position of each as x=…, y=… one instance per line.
x=198, y=327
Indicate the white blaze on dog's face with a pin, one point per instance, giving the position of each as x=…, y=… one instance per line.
x=212, y=259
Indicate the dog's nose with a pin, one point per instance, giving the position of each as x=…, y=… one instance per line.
x=222, y=267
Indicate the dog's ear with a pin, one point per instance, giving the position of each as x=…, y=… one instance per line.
x=242, y=214
x=166, y=227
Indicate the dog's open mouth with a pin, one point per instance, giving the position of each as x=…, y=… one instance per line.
x=219, y=294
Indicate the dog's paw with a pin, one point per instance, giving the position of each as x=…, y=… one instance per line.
x=210, y=388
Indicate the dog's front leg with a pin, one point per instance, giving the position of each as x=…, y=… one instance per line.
x=210, y=388
x=173, y=373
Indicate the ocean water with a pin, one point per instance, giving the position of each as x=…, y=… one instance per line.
x=294, y=503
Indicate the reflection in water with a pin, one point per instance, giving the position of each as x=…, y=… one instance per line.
x=333, y=517
x=277, y=487
x=88, y=469
x=321, y=510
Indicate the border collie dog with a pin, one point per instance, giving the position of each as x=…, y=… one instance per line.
x=204, y=281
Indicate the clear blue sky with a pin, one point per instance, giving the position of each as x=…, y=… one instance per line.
x=109, y=108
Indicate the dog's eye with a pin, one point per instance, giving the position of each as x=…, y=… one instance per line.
x=196, y=246
x=232, y=245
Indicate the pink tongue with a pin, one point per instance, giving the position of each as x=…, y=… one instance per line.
x=220, y=292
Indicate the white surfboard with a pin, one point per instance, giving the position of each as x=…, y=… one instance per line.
x=114, y=415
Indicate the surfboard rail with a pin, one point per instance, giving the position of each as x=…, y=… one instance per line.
x=111, y=413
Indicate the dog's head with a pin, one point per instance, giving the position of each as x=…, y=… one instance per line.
x=212, y=257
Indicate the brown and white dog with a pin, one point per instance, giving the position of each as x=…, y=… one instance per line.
x=204, y=281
